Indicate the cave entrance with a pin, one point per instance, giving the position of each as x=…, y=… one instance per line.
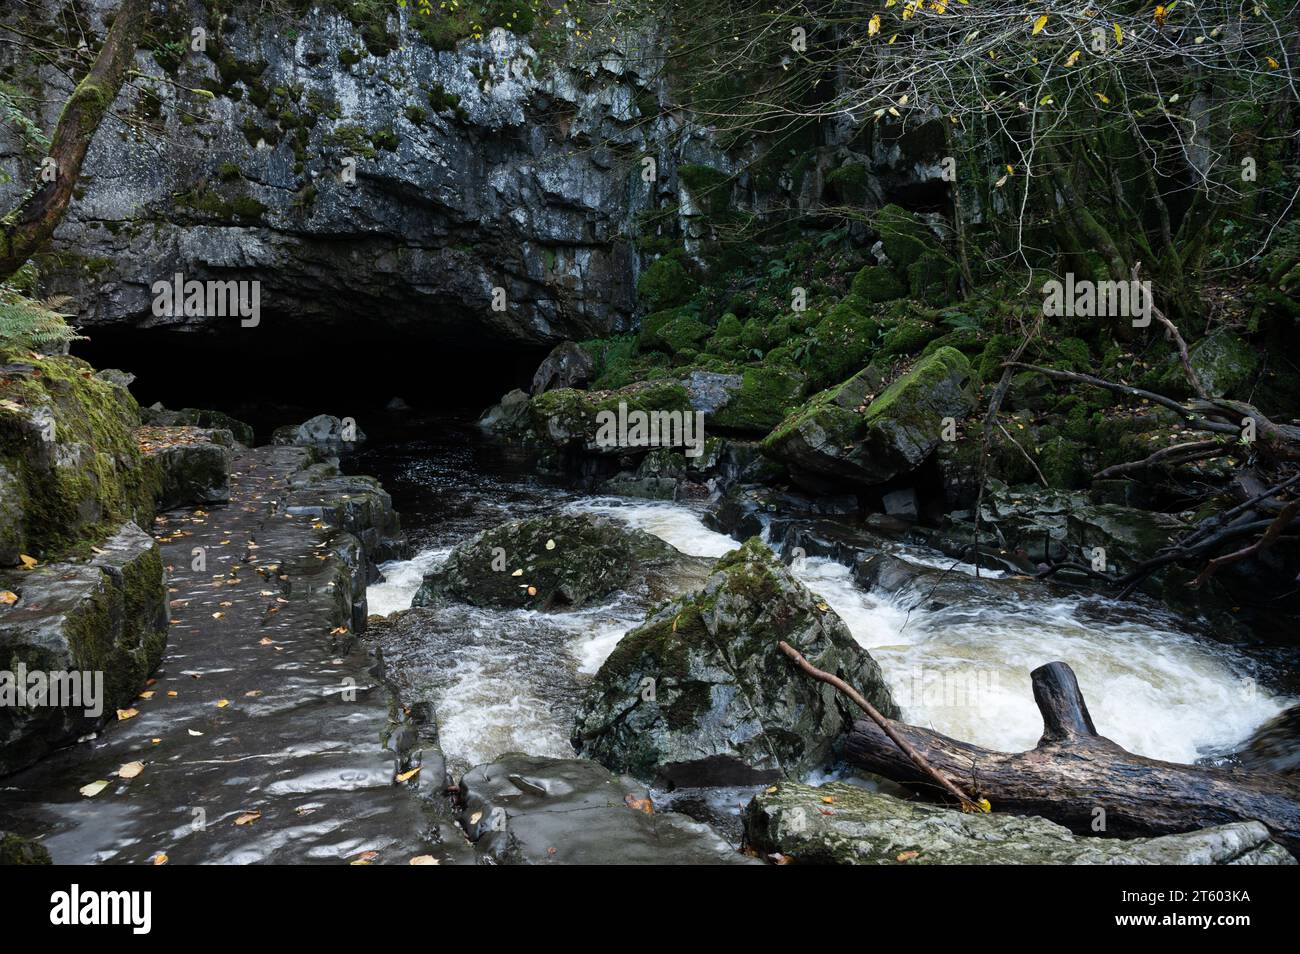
x=282, y=373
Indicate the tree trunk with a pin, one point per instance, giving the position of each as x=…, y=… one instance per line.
x=38, y=213
x=1074, y=775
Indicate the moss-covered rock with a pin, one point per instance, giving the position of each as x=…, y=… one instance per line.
x=569, y=419
x=765, y=396
x=701, y=694
x=847, y=434
x=67, y=441
x=933, y=278
x=1224, y=363
x=842, y=343
x=876, y=283
x=554, y=562
x=106, y=616
x=906, y=238
x=664, y=284
x=16, y=850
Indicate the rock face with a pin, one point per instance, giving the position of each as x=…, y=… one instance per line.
x=700, y=693
x=364, y=167
x=107, y=615
x=525, y=809
x=844, y=436
x=860, y=827
x=567, y=366
x=554, y=562
x=1275, y=746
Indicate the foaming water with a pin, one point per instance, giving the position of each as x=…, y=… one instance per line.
x=964, y=671
x=674, y=523
x=401, y=579
x=504, y=681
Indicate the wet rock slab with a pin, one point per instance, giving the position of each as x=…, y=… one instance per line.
x=266, y=735
x=107, y=615
x=526, y=809
x=844, y=824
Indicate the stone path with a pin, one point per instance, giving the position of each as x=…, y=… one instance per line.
x=264, y=736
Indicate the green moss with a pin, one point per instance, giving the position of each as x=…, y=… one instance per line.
x=766, y=395
x=876, y=283
x=841, y=344
x=664, y=284
x=102, y=481
x=905, y=237
x=933, y=279
x=710, y=188
x=849, y=183
x=909, y=336
x=416, y=114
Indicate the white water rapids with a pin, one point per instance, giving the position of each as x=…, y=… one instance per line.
x=963, y=671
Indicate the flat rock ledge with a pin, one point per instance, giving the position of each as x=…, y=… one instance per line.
x=524, y=809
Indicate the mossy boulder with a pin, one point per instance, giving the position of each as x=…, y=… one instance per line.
x=664, y=284
x=678, y=335
x=16, y=850
x=190, y=465
x=906, y=238
x=106, y=615
x=847, y=434
x=843, y=342
x=766, y=394
x=876, y=283
x=910, y=335
x=570, y=420
x=933, y=278
x=1224, y=363
x=555, y=562
x=68, y=446
x=569, y=365
x=843, y=824
x=700, y=693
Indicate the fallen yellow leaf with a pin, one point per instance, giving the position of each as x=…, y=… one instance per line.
x=124, y=714
x=407, y=776
x=8, y=598
x=222, y=703
x=27, y=561
x=423, y=860
x=248, y=818
x=94, y=788
x=1039, y=24
x=130, y=770
x=160, y=858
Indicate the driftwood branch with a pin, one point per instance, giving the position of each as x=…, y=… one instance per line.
x=1174, y=454
x=1183, y=356
x=1073, y=773
x=885, y=726
x=1275, y=530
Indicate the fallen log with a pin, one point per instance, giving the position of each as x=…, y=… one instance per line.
x=1083, y=780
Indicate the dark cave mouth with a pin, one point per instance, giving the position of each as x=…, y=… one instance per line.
x=279, y=374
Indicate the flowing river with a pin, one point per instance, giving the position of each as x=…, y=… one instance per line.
x=509, y=681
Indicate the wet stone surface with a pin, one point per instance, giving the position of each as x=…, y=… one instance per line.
x=266, y=734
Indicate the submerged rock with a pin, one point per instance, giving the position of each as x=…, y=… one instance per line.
x=848, y=825
x=561, y=561
x=107, y=615
x=700, y=693
x=509, y=416
x=524, y=809
x=846, y=436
